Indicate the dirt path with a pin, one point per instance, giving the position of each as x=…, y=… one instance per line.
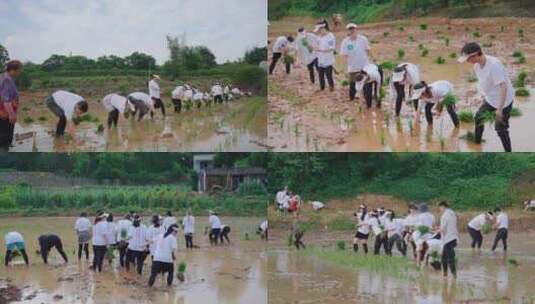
x=302, y=119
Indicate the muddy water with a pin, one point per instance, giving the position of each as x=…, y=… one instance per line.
x=237, y=126
x=230, y=274
x=303, y=119
x=297, y=278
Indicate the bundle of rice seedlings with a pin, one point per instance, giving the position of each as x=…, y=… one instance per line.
x=449, y=100
x=440, y=60
x=423, y=229
x=181, y=270
x=486, y=229
x=341, y=245
x=513, y=262
x=110, y=255
x=522, y=92
x=288, y=59
x=466, y=116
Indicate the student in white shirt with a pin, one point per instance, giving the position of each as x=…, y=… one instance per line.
x=394, y=231
x=381, y=239
x=355, y=48
x=164, y=255
x=405, y=74
x=116, y=104
x=154, y=92
x=111, y=235
x=281, y=197
x=217, y=92
x=215, y=227
x=263, y=230
x=100, y=241
x=137, y=245
x=15, y=241
x=369, y=81
x=434, y=94
x=449, y=237
x=176, y=97
x=188, y=224
x=305, y=48
x=123, y=226
x=325, y=50
x=142, y=104
x=411, y=222
x=67, y=107
x=153, y=232
x=168, y=220
x=502, y=224
x=363, y=229
x=226, y=92
x=280, y=48
x=496, y=88
x=474, y=228
x=83, y=231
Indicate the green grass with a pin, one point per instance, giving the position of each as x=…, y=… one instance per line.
x=341, y=223
x=387, y=65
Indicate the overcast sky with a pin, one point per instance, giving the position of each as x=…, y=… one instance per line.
x=35, y=29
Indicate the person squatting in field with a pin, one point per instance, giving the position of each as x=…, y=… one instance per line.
x=49, y=241
x=115, y=105
x=281, y=48
x=15, y=242
x=437, y=94
x=66, y=106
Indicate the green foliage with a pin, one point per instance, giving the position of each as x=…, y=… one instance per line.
x=253, y=187
x=288, y=59
x=341, y=223
x=23, y=81
x=182, y=267
x=89, y=118
x=423, y=229
x=518, y=54
x=440, y=60
x=345, y=83
x=466, y=116
x=513, y=261
x=453, y=55
x=476, y=34
x=424, y=53
x=515, y=112
x=486, y=229
x=423, y=27
x=387, y=65
x=520, y=80
x=522, y=92
x=401, y=53
x=341, y=245
x=256, y=55
x=450, y=100
x=28, y=120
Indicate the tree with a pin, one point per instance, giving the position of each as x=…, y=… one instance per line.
x=207, y=57
x=140, y=61
x=255, y=55
x=4, y=57
x=53, y=63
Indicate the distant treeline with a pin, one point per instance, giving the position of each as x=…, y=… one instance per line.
x=375, y=10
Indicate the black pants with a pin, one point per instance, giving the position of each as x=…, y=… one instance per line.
x=400, y=97
x=312, y=68
x=326, y=72
x=7, y=130
x=46, y=243
x=218, y=99
x=7, y=258
x=98, y=257
x=224, y=235
x=113, y=118
x=137, y=258
x=161, y=267
x=380, y=240
x=274, y=60
x=477, y=237
x=189, y=240
x=449, y=108
x=214, y=235
x=158, y=104
x=397, y=240
x=448, y=257
x=501, y=127
x=139, y=107
x=368, y=94
x=501, y=235
x=298, y=240
x=85, y=248
x=352, y=89
x=62, y=123
x=123, y=246
x=177, y=103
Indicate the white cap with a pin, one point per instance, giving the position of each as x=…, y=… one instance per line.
x=318, y=27
x=351, y=25
x=465, y=57
x=156, y=76
x=417, y=93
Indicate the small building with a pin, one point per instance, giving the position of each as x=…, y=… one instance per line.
x=213, y=179
x=203, y=161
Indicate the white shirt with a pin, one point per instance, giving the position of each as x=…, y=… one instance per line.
x=82, y=224
x=363, y=227
x=14, y=237
x=143, y=97
x=412, y=76
x=122, y=229
x=306, y=53
x=280, y=44
x=411, y=220
x=217, y=90
x=164, y=248
x=356, y=51
x=373, y=222
x=281, y=196
x=317, y=205
x=67, y=102
x=100, y=232
x=394, y=226
x=426, y=219
x=439, y=90
x=490, y=77
x=264, y=226
x=478, y=222
x=113, y=102
x=214, y=221
x=178, y=92
x=373, y=72
x=227, y=89
x=448, y=226
x=502, y=220
x=137, y=238
x=236, y=91
x=152, y=235
x=168, y=221
x=326, y=47
x=154, y=89
x=111, y=234
x=189, y=224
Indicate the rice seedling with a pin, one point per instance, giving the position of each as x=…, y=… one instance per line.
x=487, y=228
x=476, y=34
x=387, y=65
x=401, y=53
x=382, y=138
x=488, y=116
x=401, y=28
x=423, y=27
x=520, y=60
x=467, y=29
x=110, y=255
x=411, y=38
x=100, y=128
x=181, y=270
x=25, y=109
x=502, y=29
x=453, y=55
x=521, y=32
x=516, y=112
x=520, y=80
x=450, y=100
x=487, y=44
x=513, y=261
x=471, y=78
x=290, y=240
x=88, y=118
x=423, y=229
x=341, y=245
x=470, y=136
x=386, y=34
x=28, y=120
x=42, y=118
x=518, y=54
x=288, y=59
x=424, y=53
x=522, y=92
x=345, y=83
x=447, y=41
x=421, y=46
x=440, y=60
x=466, y=116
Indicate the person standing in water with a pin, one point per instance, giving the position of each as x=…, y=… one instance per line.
x=154, y=92
x=83, y=231
x=100, y=241
x=405, y=74
x=474, y=228
x=111, y=234
x=502, y=224
x=217, y=92
x=355, y=49
x=49, y=241
x=363, y=229
x=305, y=48
x=435, y=94
x=164, y=255
x=153, y=232
x=123, y=226
x=137, y=245
x=281, y=47
x=168, y=220
x=497, y=90
x=215, y=227
x=325, y=50
x=116, y=104
x=9, y=103
x=15, y=241
x=66, y=106
x=449, y=237
x=188, y=224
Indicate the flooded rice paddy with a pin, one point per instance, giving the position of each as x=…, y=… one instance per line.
x=301, y=118
x=239, y=125
x=227, y=274
x=302, y=277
